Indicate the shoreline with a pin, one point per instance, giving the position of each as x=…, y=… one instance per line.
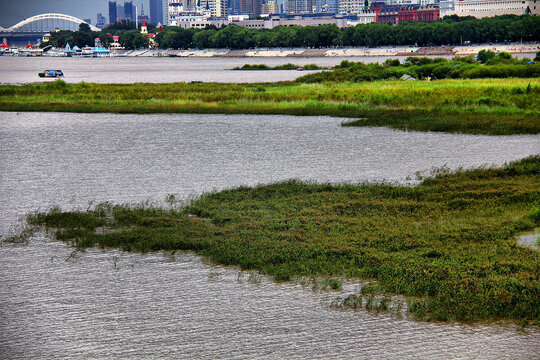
x=465, y=50
x=335, y=52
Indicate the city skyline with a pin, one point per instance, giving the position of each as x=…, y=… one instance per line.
x=13, y=11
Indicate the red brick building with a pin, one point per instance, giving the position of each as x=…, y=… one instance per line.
x=396, y=14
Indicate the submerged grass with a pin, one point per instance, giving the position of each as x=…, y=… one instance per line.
x=287, y=66
x=480, y=106
x=448, y=243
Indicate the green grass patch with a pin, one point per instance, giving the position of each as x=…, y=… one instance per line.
x=448, y=243
x=500, y=66
x=288, y=66
x=479, y=106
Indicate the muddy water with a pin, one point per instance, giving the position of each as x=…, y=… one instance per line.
x=59, y=304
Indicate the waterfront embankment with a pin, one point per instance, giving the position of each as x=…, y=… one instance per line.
x=464, y=50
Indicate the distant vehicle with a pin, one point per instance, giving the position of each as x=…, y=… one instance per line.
x=51, y=73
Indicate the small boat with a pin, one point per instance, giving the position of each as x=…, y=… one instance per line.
x=51, y=73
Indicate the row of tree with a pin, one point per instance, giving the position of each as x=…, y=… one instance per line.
x=448, y=31
x=451, y=30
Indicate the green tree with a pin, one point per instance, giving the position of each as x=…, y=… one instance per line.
x=133, y=39
x=204, y=39
x=180, y=39
x=82, y=38
x=224, y=38
x=485, y=55
x=84, y=27
x=61, y=38
x=263, y=38
x=328, y=35
x=284, y=36
x=124, y=24
x=306, y=36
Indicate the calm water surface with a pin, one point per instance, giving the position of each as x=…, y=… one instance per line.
x=55, y=304
x=16, y=70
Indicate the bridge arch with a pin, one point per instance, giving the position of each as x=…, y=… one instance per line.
x=50, y=17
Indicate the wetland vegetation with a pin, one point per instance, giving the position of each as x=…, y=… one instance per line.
x=489, y=65
x=447, y=244
x=287, y=66
x=474, y=106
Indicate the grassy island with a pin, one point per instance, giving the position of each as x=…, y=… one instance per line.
x=473, y=106
x=447, y=243
x=288, y=66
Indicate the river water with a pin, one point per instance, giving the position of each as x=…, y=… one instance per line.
x=18, y=70
x=110, y=304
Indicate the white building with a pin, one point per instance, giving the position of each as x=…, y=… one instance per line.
x=403, y=2
x=358, y=7
x=214, y=8
x=534, y=5
x=271, y=7
x=446, y=7
x=195, y=20
x=188, y=21
x=347, y=7
x=364, y=17
x=488, y=8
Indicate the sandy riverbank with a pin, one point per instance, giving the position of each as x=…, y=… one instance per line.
x=339, y=52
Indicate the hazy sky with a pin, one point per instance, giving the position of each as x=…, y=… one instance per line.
x=13, y=11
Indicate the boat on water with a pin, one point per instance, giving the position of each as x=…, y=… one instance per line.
x=51, y=73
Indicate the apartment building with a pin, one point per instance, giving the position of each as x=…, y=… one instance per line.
x=489, y=8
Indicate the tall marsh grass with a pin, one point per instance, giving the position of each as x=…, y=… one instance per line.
x=448, y=242
x=483, y=106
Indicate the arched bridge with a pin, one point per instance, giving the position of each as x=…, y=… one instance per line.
x=48, y=22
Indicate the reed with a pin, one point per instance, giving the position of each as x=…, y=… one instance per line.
x=448, y=244
x=288, y=66
x=20, y=238
x=326, y=284
x=480, y=106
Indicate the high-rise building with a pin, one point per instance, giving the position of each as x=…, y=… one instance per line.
x=179, y=8
x=216, y=8
x=270, y=7
x=156, y=11
x=350, y=7
x=129, y=10
x=300, y=6
x=233, y=7
x=101, y=21
x=250, y=7
x=120, y=12
x=112, y=12
x=331, y=6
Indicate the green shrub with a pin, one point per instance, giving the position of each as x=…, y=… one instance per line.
x=485, y=55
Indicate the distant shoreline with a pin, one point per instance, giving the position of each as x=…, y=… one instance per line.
x=335, y=52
